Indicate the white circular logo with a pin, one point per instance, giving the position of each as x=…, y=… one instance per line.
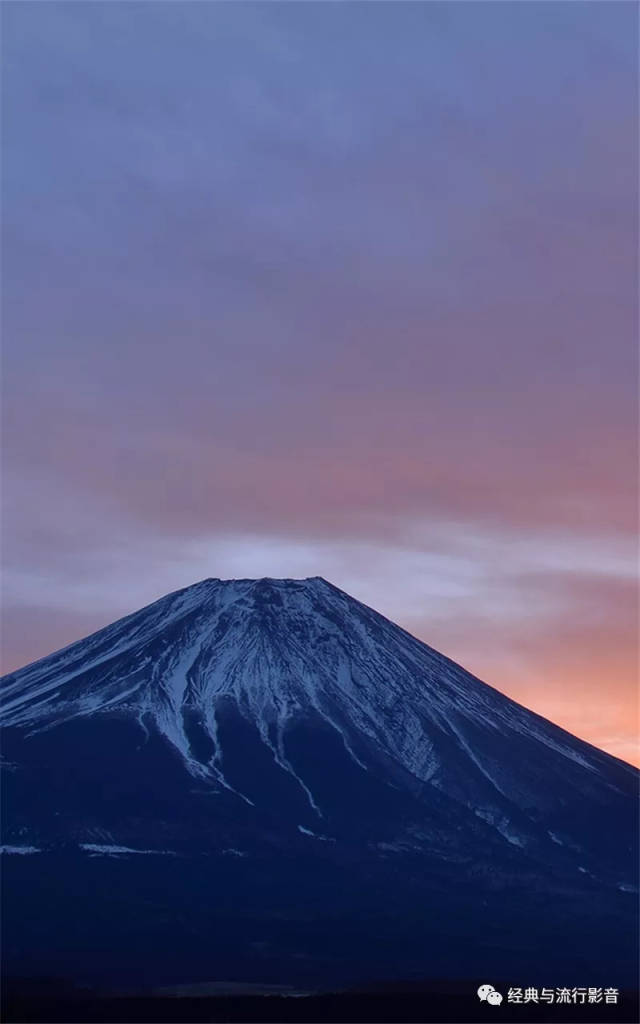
x=488, y=994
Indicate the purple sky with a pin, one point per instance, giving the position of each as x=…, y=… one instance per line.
x=337, y=289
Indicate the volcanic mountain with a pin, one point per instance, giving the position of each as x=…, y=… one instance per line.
x=267, y=781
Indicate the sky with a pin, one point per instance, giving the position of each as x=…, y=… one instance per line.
x=337, y=289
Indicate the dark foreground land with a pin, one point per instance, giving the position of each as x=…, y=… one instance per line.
x=52, y=1003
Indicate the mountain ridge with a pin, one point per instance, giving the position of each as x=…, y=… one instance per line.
x=297, y=743
x=237, y=590
x=122, y=620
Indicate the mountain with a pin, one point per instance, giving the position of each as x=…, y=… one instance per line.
x=267, y=781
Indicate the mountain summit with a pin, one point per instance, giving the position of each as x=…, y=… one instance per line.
x=309, y=767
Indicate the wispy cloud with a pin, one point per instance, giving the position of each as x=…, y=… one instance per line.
x=329, y=289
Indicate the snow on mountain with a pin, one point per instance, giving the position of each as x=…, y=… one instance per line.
x=278, y=649
x=290, y=733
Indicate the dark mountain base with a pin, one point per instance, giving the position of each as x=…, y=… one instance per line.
x=139, y=923
x=455, y=1002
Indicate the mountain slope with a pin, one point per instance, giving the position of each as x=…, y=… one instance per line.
x=302, y=750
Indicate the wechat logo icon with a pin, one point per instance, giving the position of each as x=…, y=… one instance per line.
x=488, y=994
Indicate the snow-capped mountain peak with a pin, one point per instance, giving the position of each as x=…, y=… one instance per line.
x=281, y=729
x=280, y=651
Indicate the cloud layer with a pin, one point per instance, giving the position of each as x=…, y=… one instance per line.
x=331, y=289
